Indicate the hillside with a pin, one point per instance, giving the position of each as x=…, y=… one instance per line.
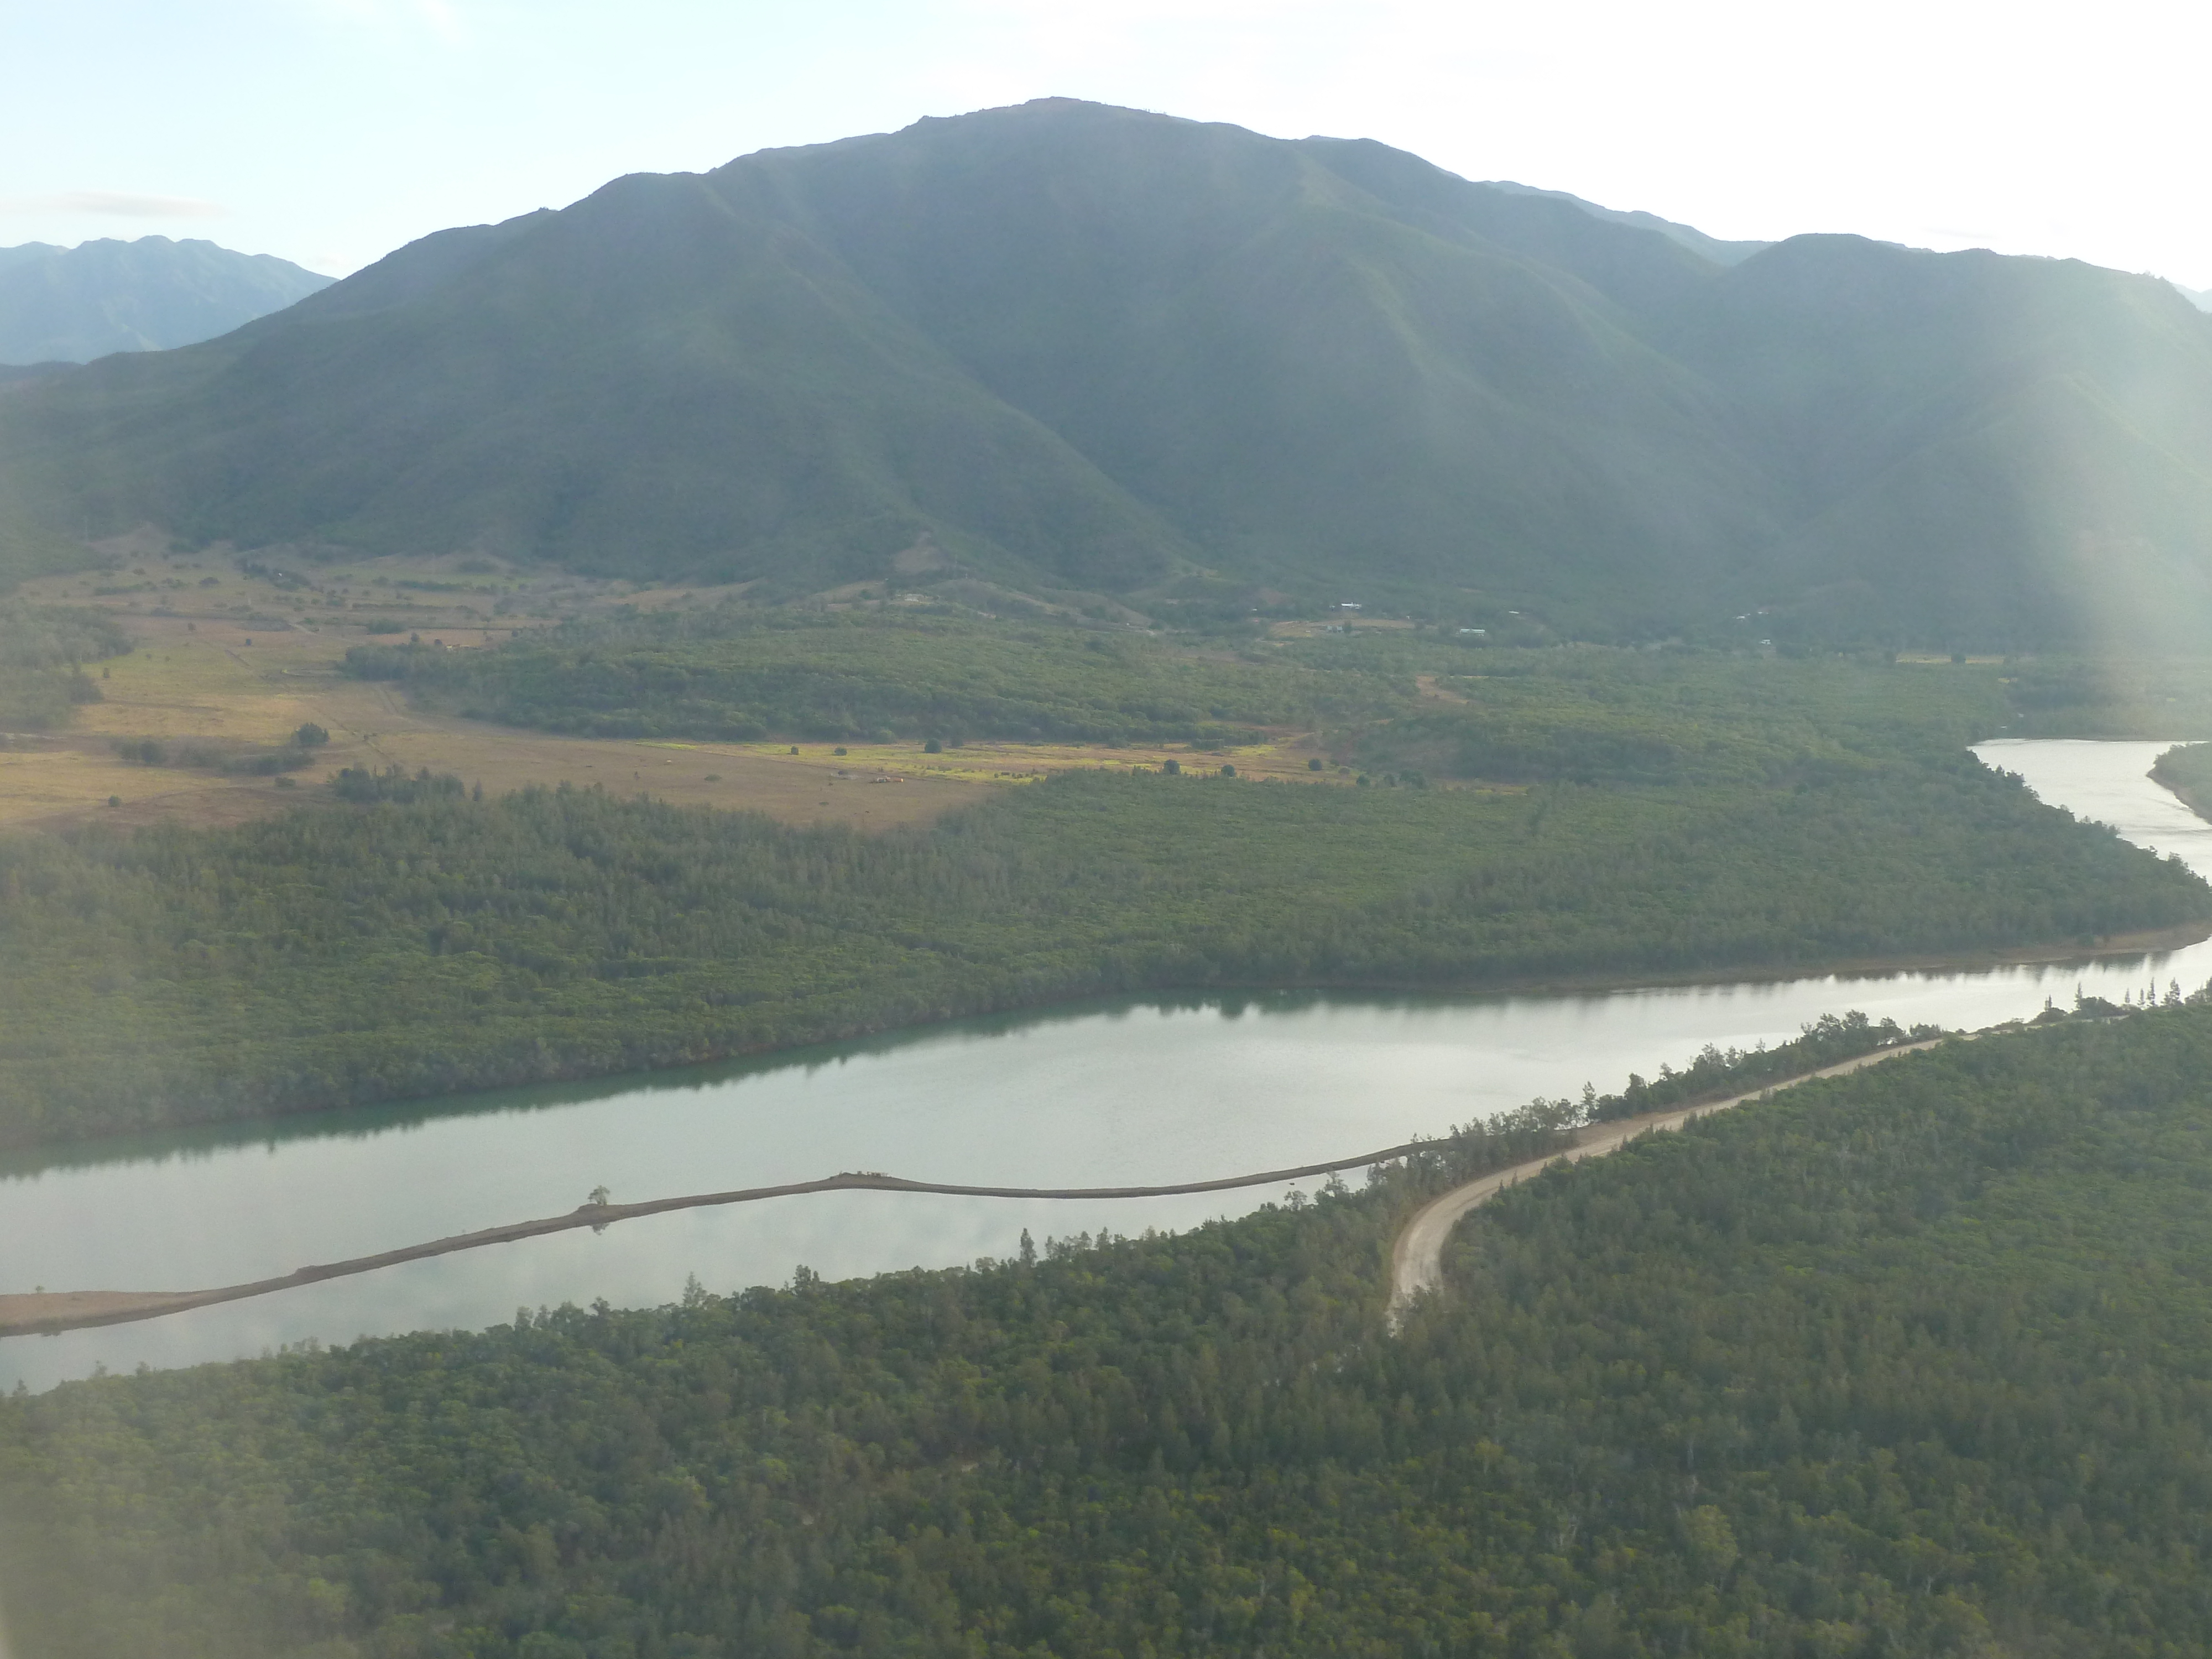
x=71, y=305
x=2024, y=442
x=1078, y=351
x=1715, y=248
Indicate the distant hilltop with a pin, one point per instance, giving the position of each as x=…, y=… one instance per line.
x=71, y=304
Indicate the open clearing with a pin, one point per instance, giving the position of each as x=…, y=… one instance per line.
x=232, y=655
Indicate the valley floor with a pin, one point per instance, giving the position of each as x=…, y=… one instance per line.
x=200, y=672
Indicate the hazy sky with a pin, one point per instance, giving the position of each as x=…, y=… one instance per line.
x=329, y=131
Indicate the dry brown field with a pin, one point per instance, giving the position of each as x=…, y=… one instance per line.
x=226, y=655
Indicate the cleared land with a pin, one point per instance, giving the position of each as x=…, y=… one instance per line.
x=234, y=656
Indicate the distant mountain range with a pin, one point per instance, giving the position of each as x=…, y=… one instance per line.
x=72, y=305
x=1071, y=349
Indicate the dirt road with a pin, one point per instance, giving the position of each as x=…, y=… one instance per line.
x=43, y=1313
x=1415, y=1264
x=1416, y=1261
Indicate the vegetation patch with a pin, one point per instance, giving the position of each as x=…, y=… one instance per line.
x=440, y=942
x=1911, y=1362
x=739, y=677
x=2110, y=697
x=2187, y=771
x=43, y=653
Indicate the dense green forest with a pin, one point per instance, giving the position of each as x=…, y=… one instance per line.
x=412, y=947
x=1828, y=1042
x=1915, y=1362
x=43, y=649
x=1647, y=717
x=736, y=675
x=1500, y=714
x=2110, y=697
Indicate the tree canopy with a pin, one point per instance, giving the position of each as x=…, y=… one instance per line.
x=1912, y=1362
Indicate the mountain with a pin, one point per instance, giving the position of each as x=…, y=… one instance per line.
x=1070, y=348
x=1720, y=253
x=2199, y=297
x=71, y=305
x=2018, y=447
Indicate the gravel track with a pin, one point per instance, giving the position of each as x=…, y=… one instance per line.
x=1417, y=1258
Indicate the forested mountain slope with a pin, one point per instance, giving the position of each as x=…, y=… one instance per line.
x=71, y=305
x=1090, y=349
x=1718, y=249
x=1911, y=1363
x=2027, y=441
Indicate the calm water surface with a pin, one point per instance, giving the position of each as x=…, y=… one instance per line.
x=1128, y=1093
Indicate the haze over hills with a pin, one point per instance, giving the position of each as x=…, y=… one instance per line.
x=72, y=305
x=1720, y=252
x=1070, y=347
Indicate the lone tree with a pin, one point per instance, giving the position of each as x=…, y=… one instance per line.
x=311, y=736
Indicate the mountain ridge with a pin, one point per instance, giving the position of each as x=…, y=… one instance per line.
x=72, y=305
x=1089, y=349
x=1720, y=250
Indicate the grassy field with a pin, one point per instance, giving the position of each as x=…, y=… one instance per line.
x=245, y=651
x=250, y=659
x=990, y=762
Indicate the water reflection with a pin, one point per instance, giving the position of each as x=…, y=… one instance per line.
x=1124, y=1092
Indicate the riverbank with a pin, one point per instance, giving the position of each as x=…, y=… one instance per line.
x=2184, y=772
x=1132, y=1090
x=440, y=946
x=48, y=1312
x=1417, y=1254
x=2110, y=949
x=2148, y=941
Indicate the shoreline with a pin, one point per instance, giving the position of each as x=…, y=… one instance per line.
x=2140, y=942
x=2144, y=941
x=2202, y=808
x=48, y=1312
x=1417, y=1252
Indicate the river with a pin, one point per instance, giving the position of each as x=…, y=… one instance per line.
x=1132, y=1092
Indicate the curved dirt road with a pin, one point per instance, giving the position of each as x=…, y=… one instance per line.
x=1417, y=1259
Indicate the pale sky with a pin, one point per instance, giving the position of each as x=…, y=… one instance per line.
x=329, y=131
